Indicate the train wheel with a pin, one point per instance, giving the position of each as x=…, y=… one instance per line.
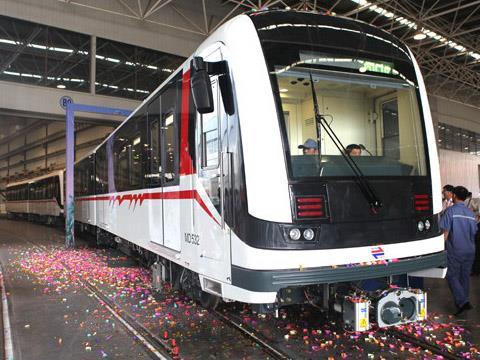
x=190, y=283
x=209, y=301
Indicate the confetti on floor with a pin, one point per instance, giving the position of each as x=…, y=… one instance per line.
x=190, y=330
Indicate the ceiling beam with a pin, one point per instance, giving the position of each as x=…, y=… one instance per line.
x=454, y=9
x=20, y=49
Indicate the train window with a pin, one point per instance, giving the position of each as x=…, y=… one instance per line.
x=82, y=176
x=43, y=189
x=91, y=176
x=350, y=90
x=210, y=134
x=136, y=158
x=57, y=189
x=169, y=144
x=77, y=180
x=130, y=153
x=123, y=178
x=382, y=118
x=154, y=141
x=169, y=133
x=101, y=183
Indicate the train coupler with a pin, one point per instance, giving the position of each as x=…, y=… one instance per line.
x=395, y=306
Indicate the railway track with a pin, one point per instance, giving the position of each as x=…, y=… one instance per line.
x=161, y=349
x=392, y=332
x=252, y=335
x=156, y=346
x=433, y=348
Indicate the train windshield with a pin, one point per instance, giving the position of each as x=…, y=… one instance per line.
x=367, y=94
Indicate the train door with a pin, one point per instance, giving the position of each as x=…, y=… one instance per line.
x=164, y=207
x=169, y=145
x=213, y=164
x=155, y=207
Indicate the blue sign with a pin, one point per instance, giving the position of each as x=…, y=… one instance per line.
x=64, y=101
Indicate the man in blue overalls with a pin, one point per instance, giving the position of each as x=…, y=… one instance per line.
x=459, y=227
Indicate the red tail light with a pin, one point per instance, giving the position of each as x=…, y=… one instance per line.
x=310, y=207
x=421, y=202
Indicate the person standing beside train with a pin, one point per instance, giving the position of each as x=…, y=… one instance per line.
x=459, y=227
x=447, y=192
x=474, y=205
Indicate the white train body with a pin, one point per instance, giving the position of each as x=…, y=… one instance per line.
x=41, y=196
x=219, y=195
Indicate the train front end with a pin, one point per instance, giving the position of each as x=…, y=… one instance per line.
x=340, y=170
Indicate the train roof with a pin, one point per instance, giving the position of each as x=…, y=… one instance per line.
x=30, y=180
x=264, y=19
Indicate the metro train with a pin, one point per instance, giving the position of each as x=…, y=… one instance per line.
x=206, y=177
x=39, y=198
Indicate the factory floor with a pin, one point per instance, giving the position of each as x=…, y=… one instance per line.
x=62, y=324
x=52, y=317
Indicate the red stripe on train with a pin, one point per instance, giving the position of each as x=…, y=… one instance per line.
x=186, y=165
x=140, y=198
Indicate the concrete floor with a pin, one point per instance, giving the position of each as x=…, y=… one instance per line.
x=440, y=301
x=66, y=325
x=55, y=319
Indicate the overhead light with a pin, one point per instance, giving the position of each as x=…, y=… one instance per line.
x=283, y=90
x=61, y=86
x=419, y=36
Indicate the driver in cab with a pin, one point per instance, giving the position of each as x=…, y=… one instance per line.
x=309, y=147
x=354, y=150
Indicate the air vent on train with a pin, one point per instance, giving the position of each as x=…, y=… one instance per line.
x=421, y=202
x=310, y=207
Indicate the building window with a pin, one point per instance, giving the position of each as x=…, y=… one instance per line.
x=457, y=139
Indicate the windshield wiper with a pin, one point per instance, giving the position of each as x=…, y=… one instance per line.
x=362, y=181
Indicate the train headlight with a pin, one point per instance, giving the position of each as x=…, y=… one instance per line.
x=295, y=234
x=420, y=226
x=428, y=225
x=308, y=234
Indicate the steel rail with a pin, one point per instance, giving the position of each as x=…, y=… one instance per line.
x=252, y=335
x=157, y=348
x=435, y=349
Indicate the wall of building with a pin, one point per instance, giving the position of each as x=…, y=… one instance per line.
x=129, y=30
x=31, y=98
x=43, y=149
x=458, y=168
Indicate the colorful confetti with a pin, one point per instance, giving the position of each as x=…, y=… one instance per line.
x=189, y=330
